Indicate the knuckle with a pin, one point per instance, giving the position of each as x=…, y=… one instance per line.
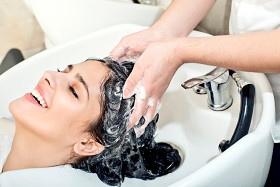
x=133, y=50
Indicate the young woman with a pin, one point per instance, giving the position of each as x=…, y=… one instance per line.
x=78, y=116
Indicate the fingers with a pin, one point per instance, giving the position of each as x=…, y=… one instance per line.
x=131, y=46
x=132, y=81
x=119, y=51
x=149, y=116
x=129, y=57
x=140, y=104
x=126, y=51
x=139, y=109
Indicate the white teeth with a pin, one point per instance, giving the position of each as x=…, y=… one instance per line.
x=36, y=94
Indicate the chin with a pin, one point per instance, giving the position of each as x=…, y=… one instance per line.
x=14, y=107
x=28, y=116
x=20, y=110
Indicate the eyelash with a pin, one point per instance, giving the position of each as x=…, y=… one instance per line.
x=72, y=90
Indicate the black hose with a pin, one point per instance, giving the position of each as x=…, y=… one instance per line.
x=13, y=57
x=247, y=94
x=135, y=1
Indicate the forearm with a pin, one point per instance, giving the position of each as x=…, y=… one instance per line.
x=181, y=17
x=258, y=52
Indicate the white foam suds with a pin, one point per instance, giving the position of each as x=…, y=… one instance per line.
x=151, y=101
x=131, y=58
x=158, y=107
x=127, y=56
x=140, y=96
x=148, y=119
x=140, y=91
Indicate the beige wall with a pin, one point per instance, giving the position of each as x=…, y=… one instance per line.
x=19, y=29
x=216, y=21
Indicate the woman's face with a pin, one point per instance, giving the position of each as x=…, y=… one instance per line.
x=70, y=100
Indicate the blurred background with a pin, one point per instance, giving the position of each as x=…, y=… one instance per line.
x=20, y=29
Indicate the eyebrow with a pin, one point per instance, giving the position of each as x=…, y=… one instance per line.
x=80, y=79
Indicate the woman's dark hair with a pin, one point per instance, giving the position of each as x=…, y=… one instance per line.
x=124, y=154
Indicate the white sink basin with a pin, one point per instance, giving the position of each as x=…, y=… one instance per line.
x=185, y=120
x=65, y=20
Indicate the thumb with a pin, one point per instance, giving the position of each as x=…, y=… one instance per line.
x=131, y=82
x=118, y=52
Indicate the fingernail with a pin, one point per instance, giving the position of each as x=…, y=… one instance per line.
x=156, y=118
x=142, y=120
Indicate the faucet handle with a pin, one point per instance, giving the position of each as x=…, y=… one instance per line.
x=212, y=75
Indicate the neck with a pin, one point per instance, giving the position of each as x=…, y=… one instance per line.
x=28, y=152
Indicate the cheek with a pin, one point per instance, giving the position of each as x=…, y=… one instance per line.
x=65, y=109
x=62, y=123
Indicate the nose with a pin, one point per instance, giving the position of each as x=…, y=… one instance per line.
x=49, y=78
x=53, y=78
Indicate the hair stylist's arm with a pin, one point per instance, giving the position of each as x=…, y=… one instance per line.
x=155, y=68
x=178, y=20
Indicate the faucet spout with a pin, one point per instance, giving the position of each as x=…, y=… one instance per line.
x=216, y=84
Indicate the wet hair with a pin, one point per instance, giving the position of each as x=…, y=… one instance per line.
x=124, y=154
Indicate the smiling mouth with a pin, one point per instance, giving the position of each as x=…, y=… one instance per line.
x=38, y=98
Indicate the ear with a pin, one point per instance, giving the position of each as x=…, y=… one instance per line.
x=87, y=147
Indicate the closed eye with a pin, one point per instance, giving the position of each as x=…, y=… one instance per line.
x=72, y=90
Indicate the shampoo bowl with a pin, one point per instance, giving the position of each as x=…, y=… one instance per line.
x=185, y=121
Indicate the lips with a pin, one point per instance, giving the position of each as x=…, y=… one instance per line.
x=36, y=97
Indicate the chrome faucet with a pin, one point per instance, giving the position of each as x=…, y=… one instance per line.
x=216, y=84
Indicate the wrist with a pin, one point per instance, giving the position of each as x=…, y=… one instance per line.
x=162, y=33
x=179, y=52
